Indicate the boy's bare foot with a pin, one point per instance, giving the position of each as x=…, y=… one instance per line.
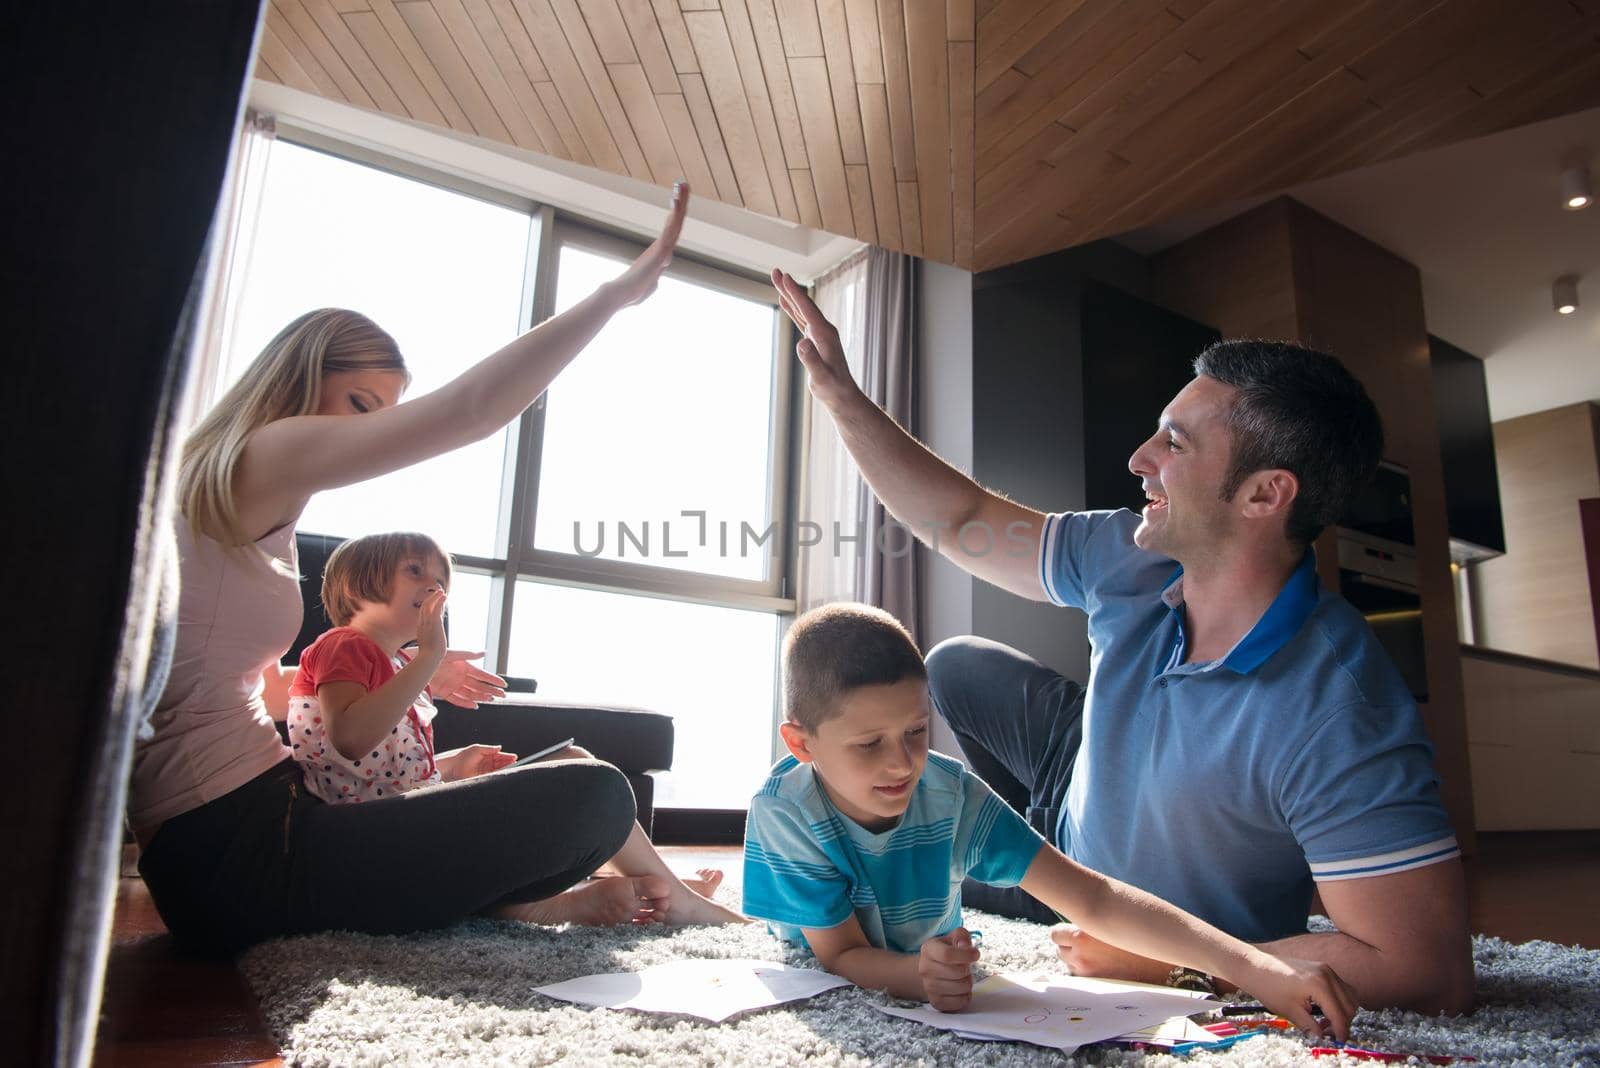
x=705, y=882
x=601, y=903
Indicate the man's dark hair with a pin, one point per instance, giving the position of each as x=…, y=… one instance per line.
x=1300, y=410
x=836, y=648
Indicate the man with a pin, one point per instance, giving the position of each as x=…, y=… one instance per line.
x=1244, y=739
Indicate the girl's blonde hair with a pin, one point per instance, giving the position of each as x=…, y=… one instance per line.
x=361, y=570
x=285, y=380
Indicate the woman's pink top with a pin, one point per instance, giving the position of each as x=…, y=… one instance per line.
x=236, y=615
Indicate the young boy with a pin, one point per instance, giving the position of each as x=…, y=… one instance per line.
x=859, y=840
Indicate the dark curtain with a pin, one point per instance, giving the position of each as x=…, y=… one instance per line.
x=121, y=120
x=889, y=375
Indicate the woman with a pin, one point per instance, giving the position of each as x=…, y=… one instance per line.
x=234, y=850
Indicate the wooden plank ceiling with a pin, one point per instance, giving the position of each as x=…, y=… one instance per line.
x=973, y=132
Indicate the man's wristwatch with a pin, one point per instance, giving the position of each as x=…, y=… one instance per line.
x=1190, y=979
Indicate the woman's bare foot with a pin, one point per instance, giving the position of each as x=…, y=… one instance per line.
x=601, y=903
x=688, y=906
x=705, y=882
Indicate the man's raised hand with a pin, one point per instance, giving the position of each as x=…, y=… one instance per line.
x=819, y=349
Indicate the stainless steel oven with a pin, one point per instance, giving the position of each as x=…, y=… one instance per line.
x=1378, y=571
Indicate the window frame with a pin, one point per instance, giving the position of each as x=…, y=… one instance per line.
x=560, y=230
x=550, y=230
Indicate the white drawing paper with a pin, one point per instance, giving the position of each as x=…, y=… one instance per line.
x=1171, y=1032
x=1059, y=1011
x=710, y=989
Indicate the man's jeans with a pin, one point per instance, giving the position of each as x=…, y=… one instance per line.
x=1019, y=724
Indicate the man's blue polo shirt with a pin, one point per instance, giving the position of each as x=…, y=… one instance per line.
x=1227, y=787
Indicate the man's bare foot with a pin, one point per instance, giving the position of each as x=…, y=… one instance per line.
x=1086, y=955
x=601, y=903
x=705, y=882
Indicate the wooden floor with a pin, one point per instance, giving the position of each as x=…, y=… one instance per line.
x=163, y=1009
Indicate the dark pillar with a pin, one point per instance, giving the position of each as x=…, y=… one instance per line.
x=122, y=117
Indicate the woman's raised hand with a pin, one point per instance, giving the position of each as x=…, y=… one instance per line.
x=639, y=280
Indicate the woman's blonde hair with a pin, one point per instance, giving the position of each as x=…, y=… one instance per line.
x=285, y=380
x=361, y=571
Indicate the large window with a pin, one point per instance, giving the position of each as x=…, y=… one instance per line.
x=624, y=541
x=440, y=271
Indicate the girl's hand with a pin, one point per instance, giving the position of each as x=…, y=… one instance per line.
x=465, y=684
x=431, y=643
x=639, y=280
x=472, y=760
x=1290, y=987
x=820, y=351
x=945, y=966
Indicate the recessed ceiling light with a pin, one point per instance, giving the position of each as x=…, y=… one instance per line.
x=1564, y=294
x=1575, y=191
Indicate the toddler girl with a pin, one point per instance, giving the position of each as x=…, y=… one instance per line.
x=360, y=724
x=360, y=718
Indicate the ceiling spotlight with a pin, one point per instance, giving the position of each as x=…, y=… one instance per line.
x=1565, y=294
x=1575, y=192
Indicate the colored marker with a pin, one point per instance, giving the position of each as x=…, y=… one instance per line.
x=1226, y=1028
x=1183, y=1048
x=1385, y=1055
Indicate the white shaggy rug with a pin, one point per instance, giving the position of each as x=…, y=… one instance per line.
x=465, y=996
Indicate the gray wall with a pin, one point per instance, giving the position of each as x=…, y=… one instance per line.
x=1000, y=377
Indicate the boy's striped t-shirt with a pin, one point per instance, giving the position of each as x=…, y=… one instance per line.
x=807, y=865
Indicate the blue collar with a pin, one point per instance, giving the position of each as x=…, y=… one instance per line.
x=1280, y=622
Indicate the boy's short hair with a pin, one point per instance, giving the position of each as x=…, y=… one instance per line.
x=836, y=648
x=362, y=570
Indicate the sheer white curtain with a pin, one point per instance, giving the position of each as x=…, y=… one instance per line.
x=858, y=552
x=233, y=228
x=830, y=505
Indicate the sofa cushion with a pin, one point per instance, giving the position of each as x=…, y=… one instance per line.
x=633, y=739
